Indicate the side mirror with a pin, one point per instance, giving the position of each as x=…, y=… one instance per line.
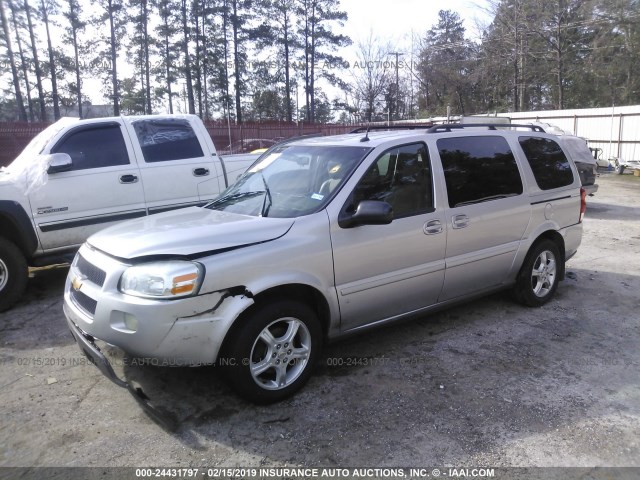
x=368, y=212
x=59, y=162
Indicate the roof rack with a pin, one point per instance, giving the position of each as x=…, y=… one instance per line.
x=448, y=127
x=391, y=127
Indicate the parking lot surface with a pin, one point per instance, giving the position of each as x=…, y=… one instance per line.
x=486, y=383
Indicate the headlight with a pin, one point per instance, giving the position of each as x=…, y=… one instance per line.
x=173, y=279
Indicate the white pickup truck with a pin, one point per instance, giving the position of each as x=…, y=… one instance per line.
x=79, y=176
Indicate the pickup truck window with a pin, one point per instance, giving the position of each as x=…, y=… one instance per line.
x=167, y=139
x=94, y=146
x=292, y=181
x=401, y=177
x=478, y=169
x=548, y=162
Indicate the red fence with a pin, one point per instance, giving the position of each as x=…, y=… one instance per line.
x=224, y=134
x=14, y=136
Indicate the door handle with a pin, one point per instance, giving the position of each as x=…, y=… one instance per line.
x=200, y=172
x=128, y=179
x=459, y=221
x=433, y=227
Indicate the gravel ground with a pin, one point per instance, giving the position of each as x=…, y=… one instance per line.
x=486, y=383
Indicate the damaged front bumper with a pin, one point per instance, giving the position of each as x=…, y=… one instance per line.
x=88, y=346
x=93, y=353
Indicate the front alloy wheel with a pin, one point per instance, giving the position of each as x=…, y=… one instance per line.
x=271, y=354
x=280, y=353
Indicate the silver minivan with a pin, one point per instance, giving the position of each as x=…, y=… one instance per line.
x=324, y=237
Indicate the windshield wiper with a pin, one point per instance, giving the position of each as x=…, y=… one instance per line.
x=234, y=196
x=265, y=207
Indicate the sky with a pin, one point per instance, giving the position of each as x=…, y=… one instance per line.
x=395, y=20
x=401, y=24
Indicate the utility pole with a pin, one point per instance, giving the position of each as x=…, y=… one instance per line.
x=397, y=54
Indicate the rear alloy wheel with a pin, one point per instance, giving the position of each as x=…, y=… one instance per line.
x=538, y=277
x=272, y=355
x=13, y=274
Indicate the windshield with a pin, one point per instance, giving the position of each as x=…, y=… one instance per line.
x=291, y=181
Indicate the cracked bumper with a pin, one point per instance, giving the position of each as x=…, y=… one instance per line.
x=88, y=346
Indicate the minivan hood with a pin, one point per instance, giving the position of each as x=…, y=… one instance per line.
x=187, y=232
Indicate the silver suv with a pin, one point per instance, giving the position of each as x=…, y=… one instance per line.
x=325, y=237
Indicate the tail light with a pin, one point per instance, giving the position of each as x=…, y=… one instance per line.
x=583, y=203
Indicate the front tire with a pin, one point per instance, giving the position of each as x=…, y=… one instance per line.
x=538, y=277
x=270, y=357
x=13, y=274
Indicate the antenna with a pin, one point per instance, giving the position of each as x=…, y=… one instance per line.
x=366, y=135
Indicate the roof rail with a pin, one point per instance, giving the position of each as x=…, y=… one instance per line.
x=448, y=127
x=391, y=127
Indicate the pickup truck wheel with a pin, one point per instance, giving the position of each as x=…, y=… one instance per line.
x=13, y=274
x=538, y=277
x=272, y=355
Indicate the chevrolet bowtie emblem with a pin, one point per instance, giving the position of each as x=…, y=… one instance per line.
x=76, y=283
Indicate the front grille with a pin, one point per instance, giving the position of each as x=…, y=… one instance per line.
x=90, y=271
x=87, y=304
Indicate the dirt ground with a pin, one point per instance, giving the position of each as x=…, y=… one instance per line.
x=488, y=383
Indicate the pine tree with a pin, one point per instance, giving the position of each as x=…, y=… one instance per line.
x=23, y=60
x=47, y=8
x=111, y=18
x=444, y=66
x=74, y=27
x=14, y=71
x=166, y=31
x=36, y=62
x=278, y=31
x=316, y=18
x=141, y=43
x=186, y=55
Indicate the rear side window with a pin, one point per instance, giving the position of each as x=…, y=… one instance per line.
x=167, y=139
x=548, y=162
x=478, y=169
x=94, y=147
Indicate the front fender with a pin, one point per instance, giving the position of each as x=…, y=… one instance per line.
x=17, y=227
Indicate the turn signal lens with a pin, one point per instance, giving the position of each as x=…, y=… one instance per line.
x=184, y=283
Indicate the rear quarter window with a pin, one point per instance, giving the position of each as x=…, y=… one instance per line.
x=548, y=162
x=478, y=169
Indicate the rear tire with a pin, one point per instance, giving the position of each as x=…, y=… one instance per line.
x=271, y=356
x=538, y=278
x=13, y=274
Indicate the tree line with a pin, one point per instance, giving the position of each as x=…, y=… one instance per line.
x=204, y=47
x=268, y=59
x=535, y=56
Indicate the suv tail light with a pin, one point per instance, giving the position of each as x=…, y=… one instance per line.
x=583, y=203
